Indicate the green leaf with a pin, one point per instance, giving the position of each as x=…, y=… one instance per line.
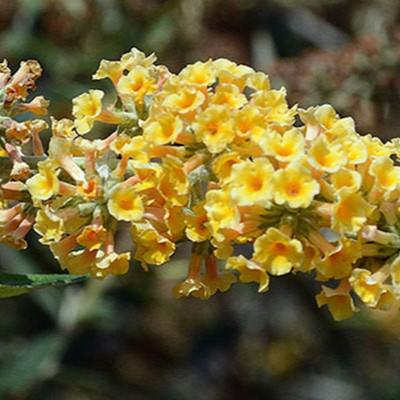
x=17, y=284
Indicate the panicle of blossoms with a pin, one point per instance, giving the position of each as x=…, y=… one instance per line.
x=19, y=139
x=214, y=156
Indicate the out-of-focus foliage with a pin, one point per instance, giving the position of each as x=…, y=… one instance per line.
x=127, y=338
x=362, y=77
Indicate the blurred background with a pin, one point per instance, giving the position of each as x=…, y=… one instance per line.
x=128, y=338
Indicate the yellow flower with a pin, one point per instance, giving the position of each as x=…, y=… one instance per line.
x=275, y=107
x=346, y=178
x=387, y=176
x=223, y=64
x=174, y=183
x=375, y=147
x=223, y=248
x=92, y=237
x=135, y=148
x=311, y=256
x=214, y=127
x=341, y=129
x=151, y=247
x=356, y=151
x=326, y=156
x=135, y=58
x=284, y=147
x=163, y=129
x=49, y=226
x=138, y=83
x=367, y=288
x=393, y=146
x=73, y=218
x=187, y=99
x=196, y=224
x=125, y=204
x=220, y=282
x=258, y=81
x=112, y=70
x=249, y=271
x=325, y=115
x=63, y=128
x=250, y=182
x=86, y=108
x=63, y=247
x=222, y=212
x=338, y=263
x=388, y=299
x=213, y=279
x=230, y=72
x=199, y=73
x=228, y=95
x=111, y=264
x=350, y=212
x=340, y=304
x=277, y=252
x=90, y=189
x=192, y=287
x=148, y=173
x=175, y=222
x=45, y=184
x=324, y=119
x=119, y=144
x=249, y=122
x=79, y=262
x=294, y=186
x=223, y=164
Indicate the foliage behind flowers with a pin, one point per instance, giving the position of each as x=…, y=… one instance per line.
x=366, y=73
x=213, y=156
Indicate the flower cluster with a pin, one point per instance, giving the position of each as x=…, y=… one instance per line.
x=212, y=156
x=16, y=212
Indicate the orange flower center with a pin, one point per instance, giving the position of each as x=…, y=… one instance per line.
x=256, y=183
x=125, y=203
x=293, y=189
x=279, y=248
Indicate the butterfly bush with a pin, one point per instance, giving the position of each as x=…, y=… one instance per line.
x=212, y=156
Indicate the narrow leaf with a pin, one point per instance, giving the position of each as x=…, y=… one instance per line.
x=17, y=284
